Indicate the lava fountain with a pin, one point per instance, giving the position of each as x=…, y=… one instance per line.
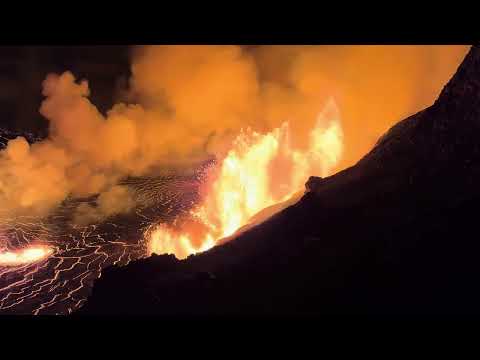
x=258, y=171
x=24, y=256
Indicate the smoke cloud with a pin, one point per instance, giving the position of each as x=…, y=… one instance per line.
x=186, y=103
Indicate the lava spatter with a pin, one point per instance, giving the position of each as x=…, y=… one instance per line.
x=28, y=255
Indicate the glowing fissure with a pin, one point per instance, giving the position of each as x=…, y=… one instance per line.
x=258, y=171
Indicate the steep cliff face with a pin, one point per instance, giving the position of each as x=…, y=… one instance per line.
x=394, y=235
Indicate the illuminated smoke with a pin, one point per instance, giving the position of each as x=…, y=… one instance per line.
x=192, y=101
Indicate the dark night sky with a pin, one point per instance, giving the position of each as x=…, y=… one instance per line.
x=23, y=68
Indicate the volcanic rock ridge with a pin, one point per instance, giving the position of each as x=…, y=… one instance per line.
x=395, y=235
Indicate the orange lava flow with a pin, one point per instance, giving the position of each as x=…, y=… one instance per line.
x=24, y=256
x=259, y=170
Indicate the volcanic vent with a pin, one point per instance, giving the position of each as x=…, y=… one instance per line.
x=79, y=200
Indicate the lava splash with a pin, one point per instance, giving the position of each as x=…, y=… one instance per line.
x=25, y=256
x=258, y=171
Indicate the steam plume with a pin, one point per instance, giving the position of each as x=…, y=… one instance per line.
x=188, y=102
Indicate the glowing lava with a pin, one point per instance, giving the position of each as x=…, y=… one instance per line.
x=258, y=171
x=24, y=256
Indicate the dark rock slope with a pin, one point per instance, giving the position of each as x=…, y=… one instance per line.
x=396, y=235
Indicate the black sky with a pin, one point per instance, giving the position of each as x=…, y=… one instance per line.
x=23, y=68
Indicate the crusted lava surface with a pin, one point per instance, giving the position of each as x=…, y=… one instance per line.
x=61, y=283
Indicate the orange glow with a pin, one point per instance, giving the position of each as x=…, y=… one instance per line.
x=24, y=256
x=258, y=171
